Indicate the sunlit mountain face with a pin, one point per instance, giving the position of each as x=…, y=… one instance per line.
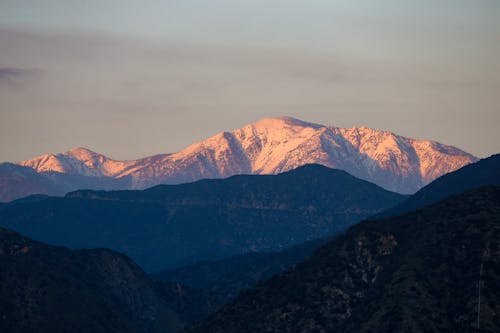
x=269, y=146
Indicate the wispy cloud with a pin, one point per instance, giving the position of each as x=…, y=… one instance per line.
x=7, y=73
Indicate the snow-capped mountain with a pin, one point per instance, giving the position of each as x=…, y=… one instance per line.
x=275, y=145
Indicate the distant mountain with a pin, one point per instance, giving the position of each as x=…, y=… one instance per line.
x=53, y=289
x=269, y=146
x=18, y=181
x=419, y=272
x=172, y=225
x=484, y=172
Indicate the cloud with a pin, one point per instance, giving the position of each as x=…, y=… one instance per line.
x=7, y=73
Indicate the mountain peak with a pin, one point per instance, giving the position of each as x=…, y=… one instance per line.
x=275, y=145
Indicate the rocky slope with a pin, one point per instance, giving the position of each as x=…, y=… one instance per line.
x=272, y=146
x=419, y=272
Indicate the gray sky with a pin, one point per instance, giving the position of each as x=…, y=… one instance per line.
x=136, y=78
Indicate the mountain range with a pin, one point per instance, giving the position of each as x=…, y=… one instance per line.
x=417, y=272
x=170, y=225
x=431, y=270
x=269, y=146
x=225, y=278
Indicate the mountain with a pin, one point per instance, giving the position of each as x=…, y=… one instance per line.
x=172, y=225
x=269, y=146
x=484, y=172
x=227, y=277
x=53, y=289
x=419, y=272
x=18, y=181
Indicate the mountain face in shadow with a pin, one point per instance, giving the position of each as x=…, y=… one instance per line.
x=417, y=272
x=53, y=289
x=18, y=181
x=174, y=225
x=268, y=146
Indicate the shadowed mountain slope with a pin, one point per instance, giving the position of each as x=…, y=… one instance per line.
x=19, y=181
x=180, y=224
x=53, y=289
x=227, y=277
x=418, y=272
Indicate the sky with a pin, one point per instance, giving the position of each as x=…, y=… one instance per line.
x=131, y=79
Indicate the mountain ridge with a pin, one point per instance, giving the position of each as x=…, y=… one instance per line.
x=46, y=288
x=484, y=172
x=416, y=272
x=170, y=225
x=271, y=146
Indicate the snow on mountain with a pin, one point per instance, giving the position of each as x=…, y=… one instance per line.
x=275, y=145
x=79, y=161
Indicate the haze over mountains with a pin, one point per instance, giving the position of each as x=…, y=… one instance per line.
x=269, y=146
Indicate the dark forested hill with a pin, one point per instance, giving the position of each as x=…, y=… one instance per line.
x=418, y=272
x=171, y=225
x=53, y=289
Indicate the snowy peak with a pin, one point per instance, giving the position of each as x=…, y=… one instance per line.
x=275, y=145
x=78, y=161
